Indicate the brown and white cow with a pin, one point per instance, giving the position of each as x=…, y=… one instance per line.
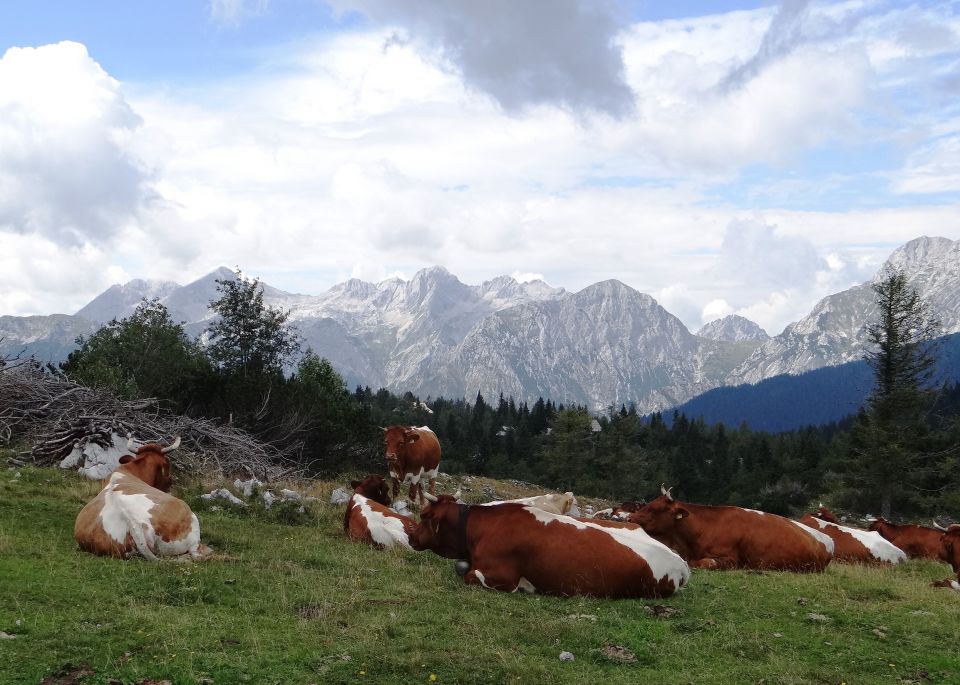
x=517, y=547
x=919, y=542
x=369, y=519
x=731, y=537
x=413, y=454
x=854, y=545
x=133, y=514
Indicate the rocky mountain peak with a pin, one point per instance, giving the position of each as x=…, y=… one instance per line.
x=732, y=328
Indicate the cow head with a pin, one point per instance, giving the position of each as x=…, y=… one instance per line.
x=877, y=524
x=440, y=529
x=825, y=514
x=395, y=440
x=662, y=516
x=149, y=463
x=621, y=512
x=372, y=487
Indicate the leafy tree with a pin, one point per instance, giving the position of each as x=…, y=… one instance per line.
x=249, y=338
x=889, y=441
x=143, y=355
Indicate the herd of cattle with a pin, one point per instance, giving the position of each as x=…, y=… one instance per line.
x=535, y=544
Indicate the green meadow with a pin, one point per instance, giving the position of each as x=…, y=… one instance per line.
x=287, y=599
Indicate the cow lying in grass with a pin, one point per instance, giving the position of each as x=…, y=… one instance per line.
x=853, y=545
x=516, y=547
x=554, y=503
x=369, y=519
x=133, y=514
x=732, y=538
x=919, y=542
x=950, y=553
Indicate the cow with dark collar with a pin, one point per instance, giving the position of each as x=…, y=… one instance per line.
x=519, y=548
x=134, y=514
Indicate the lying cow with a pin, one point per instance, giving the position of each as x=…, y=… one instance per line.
x=517, y=547
x=623, y=510
x=854, y=545
x=413, y=454
x=369, y=519
x=133, y=514
x=950, y=553
x=554, y=503
x=731, y=537
x=919, y=542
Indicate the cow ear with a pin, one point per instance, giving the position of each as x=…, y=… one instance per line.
x=354, y=484
x=680, y=513
x=126, y=459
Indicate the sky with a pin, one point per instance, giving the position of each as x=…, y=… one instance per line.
x=724, y=157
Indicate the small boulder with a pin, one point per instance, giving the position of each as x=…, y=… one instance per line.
x=223, y=493
x=339, y=496
x=246, y=487
x=567, y=656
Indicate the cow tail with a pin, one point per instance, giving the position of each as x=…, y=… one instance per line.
x=140, y=540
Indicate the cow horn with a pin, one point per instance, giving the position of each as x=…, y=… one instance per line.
x=171, y=448
x=130, y=447
x=430, y=497
x=382, y=428
x=938, y=526
x=821, y=505
x=666, y=491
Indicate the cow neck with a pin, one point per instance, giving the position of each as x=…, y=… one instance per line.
x=464, y=548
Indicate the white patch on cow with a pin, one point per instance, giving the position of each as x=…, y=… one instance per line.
x=184, y=545
x=393, y=474
x=755, y=511
x=431, y=474
x=127, y=514
x=822, y=538
x=662, y=560
x=385, y=530
x=479, y=575
x=878, y=546
x=425, y=429
x=525, y=586
x=413, y=478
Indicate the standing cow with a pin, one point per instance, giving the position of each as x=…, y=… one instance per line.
x=413, y=454
x=919, y=542
x=520, y=548
x=731, y=537
x=369, y=519
x=134, y=514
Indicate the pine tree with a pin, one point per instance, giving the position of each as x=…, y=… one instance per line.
x=902, y=357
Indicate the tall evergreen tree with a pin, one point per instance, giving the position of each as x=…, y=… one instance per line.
x=902, y=356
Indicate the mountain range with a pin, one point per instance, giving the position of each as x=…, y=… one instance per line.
x=606, y=344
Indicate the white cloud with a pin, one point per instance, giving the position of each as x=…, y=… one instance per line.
x=66, y=171
x=526, y=276
x=715, y=309
x=935, y=168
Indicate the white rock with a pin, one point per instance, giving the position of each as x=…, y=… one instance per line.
x=223, y=493
x=268, y=498
x=246, y=486
x=339, y=496
x=290, y=495
x=567, y=656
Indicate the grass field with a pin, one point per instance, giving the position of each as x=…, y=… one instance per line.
x=292, y=601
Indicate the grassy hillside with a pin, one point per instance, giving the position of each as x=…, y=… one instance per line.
x=289, y=600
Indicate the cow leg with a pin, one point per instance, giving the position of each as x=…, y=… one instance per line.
x=716, y=564
x=396, y=489
x=433, y=486
x=493, y=579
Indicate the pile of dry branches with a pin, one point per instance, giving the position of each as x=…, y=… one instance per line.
x=55, y=414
